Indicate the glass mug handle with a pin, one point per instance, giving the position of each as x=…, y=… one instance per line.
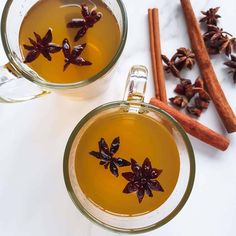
x=14, y=88
x=136, y=84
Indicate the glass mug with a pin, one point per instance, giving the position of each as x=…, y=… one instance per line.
x=18, y=82
x=132, y=104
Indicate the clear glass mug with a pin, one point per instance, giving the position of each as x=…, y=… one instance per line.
x=19, y=83
x=134, y=103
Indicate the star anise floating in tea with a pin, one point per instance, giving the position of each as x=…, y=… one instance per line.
x=88, y=21
x=232, y=65
x=42, y=46
x=211, y=16
x=72, y=56
x=106, y=156
x=142, y=179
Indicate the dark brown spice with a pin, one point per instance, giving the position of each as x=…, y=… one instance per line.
x=142, y=180
x=232, y=65
x=210, y=16
x=42, y=46
x=170, y=66
x=179, y=101
x=73, y=56
x=88, y=21
x=184, y=58
x=106, y=156
x=194, y=111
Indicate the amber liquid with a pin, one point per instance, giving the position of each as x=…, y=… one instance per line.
x=140, y=137
x=102, y=40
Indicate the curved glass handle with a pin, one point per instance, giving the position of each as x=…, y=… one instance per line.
x=136, y=84
x=15, y=88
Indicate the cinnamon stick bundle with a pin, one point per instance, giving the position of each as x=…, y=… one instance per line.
x=208, y=74
x=155, y=46
x=193, y=127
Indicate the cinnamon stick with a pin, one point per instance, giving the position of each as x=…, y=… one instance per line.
x=155, y=46
x=153, y=56
x=208, y=74
x=159, y=65
x=193, y=127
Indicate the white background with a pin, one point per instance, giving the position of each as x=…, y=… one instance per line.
x=33, y=135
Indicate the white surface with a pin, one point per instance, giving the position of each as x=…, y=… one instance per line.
x=33, y=135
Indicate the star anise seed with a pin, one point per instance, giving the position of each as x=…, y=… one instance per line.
x=42, y=46
x=210, y=16
x=142, y=180
x=106, y=156
x=88, y=21
x=73, y=56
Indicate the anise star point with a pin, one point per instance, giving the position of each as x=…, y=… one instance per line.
x=106, y=156
x=72, y=56
x=142, y=179
x=88, y=21
x=42, y=46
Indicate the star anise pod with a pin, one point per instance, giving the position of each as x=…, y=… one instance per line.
x=210, y=16
x=88, y=21
x=42, y=46
x=232, y=64
x=106, y=156
x=214, y=33
x=226, y=45
x=185, y=58
x=170, y=66
x=179, y=101
x=142, y=180
x=73, y=56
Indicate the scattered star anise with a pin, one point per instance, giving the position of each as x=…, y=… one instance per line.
x=189, y=90
x=73, y=56
x=89, y=19
x=42, y=46
x=232, y=64
x=106, y=156
x=142, y=180
x=185, y=58
x=170, y=66
x=210, y=16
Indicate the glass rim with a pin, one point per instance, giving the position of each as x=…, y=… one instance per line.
x=191, y=157
x=39, y=80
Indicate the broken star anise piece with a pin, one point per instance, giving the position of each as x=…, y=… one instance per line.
x=170, y=66
x=142, y=180
x=232, y=65
x=73, y=56
x=42, y=46
x=210, y=16
x=185, y=58
x=106, y=156
x=179, y=101
x=89, y=19
x=194, y=111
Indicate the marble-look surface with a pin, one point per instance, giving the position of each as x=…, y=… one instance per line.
x=33, y=135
